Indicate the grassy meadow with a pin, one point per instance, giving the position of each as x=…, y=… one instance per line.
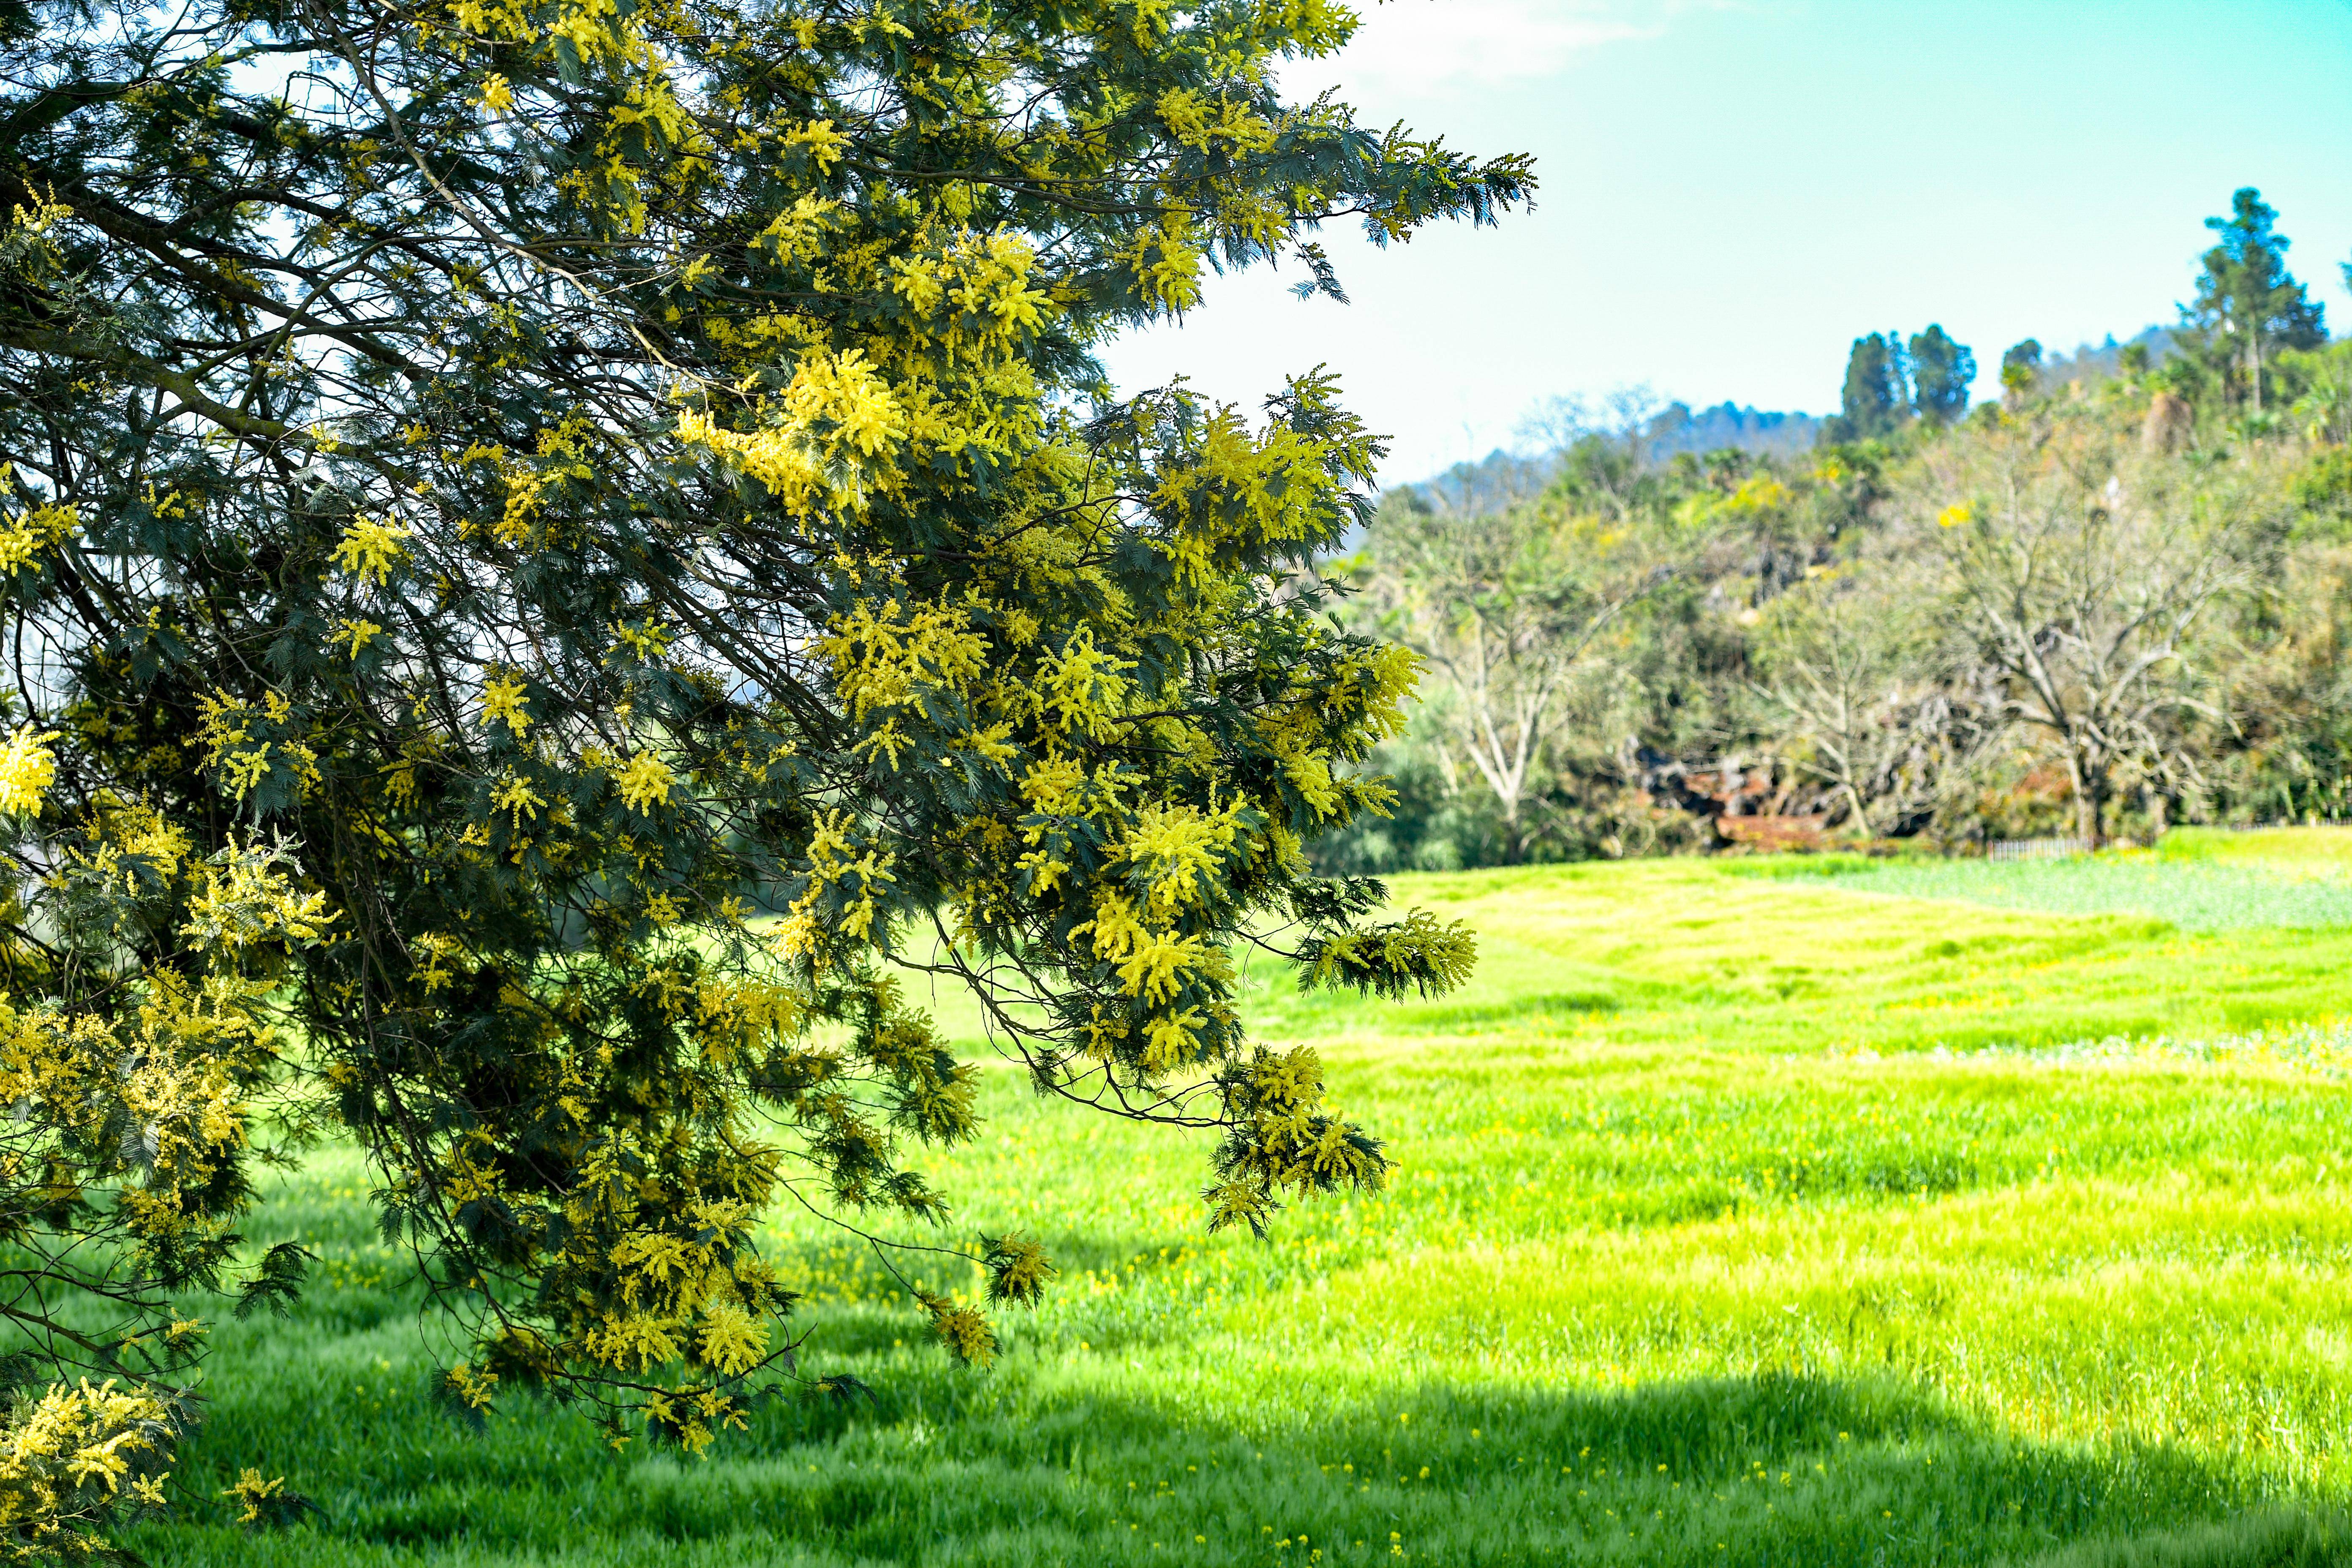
x=1799, y=1211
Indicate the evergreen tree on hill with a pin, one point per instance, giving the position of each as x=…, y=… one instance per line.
x=2020, y=371
x=2248, y=305
x=1942, y=372
x=1875, y=397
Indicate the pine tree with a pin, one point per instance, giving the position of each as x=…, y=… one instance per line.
x=1942, y=372
x=2248, y=305
x=547, y=567
x=1875, y=394
x=2020, y=371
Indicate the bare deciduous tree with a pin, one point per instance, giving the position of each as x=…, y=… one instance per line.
x=1850, y=680
x=1502, y=608
x=2080, y=575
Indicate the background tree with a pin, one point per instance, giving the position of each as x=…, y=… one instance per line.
x=2248, y=306
x=1942, y=372
x=2079, y=576
x=1795, y=663
x=1567, y=642
x=1502, y=607
x=1855, y=700
x=2316, y=384
x=1601, y=445
x=555, y=488
x=1876, y=392
x=2020, y=372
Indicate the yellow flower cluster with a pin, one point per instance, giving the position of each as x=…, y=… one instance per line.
x=26, y=769
x=26, y=538
x=239, y=739
x=829, y=439
x=371, y=549
x=645, y=782
x=503, y=702
x=68, y=1458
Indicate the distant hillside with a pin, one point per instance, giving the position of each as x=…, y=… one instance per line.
x=1727, y=424
x=1503, y=478
x=1499, y=480
x=2091, y=363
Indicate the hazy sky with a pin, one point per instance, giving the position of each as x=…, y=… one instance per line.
x=1733, y=191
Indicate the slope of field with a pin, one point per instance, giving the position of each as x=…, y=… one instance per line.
x=1740, y=1219
x=2197, y=880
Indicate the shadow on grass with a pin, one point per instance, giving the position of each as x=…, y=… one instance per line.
x=1097, y=1461
x=1567, y=1006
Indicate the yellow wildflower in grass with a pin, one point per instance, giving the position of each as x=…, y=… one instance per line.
x=26, y=769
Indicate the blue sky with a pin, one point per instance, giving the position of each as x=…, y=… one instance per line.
x=1732, y=192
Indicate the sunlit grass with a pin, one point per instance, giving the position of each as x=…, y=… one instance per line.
x=2308, y=850
x=1740, y=1219
x=2197, y=879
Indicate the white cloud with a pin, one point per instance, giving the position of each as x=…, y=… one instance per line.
x=1421, y=44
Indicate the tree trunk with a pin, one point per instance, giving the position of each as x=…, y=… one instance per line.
x=1861, y=812
x=2090, y=800
x=1514, y=849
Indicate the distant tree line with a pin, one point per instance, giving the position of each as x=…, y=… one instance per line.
x=2116, y=598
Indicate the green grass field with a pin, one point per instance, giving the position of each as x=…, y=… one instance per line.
x=1788, y=1212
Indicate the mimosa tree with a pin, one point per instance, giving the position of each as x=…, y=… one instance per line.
x=554, y=548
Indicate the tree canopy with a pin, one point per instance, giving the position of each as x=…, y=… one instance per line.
x=2113, y=601
x=1942, y=372
x=556, y=551
x=1871, y=402
x=2248, y=306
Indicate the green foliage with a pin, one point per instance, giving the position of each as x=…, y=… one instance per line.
x=2020, y=371
x=2324, y=488
x=2316, y=386
x=1876, y=397
x=1887, y=383
x=2108, y=605
x=1942, y=372
x=1575, y=639
x=616, y=510
x=2248, y=306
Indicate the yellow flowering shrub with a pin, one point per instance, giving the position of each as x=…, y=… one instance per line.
x=74, y=1457
x=616, y=571
x=133, y=1050
x=26, y=768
